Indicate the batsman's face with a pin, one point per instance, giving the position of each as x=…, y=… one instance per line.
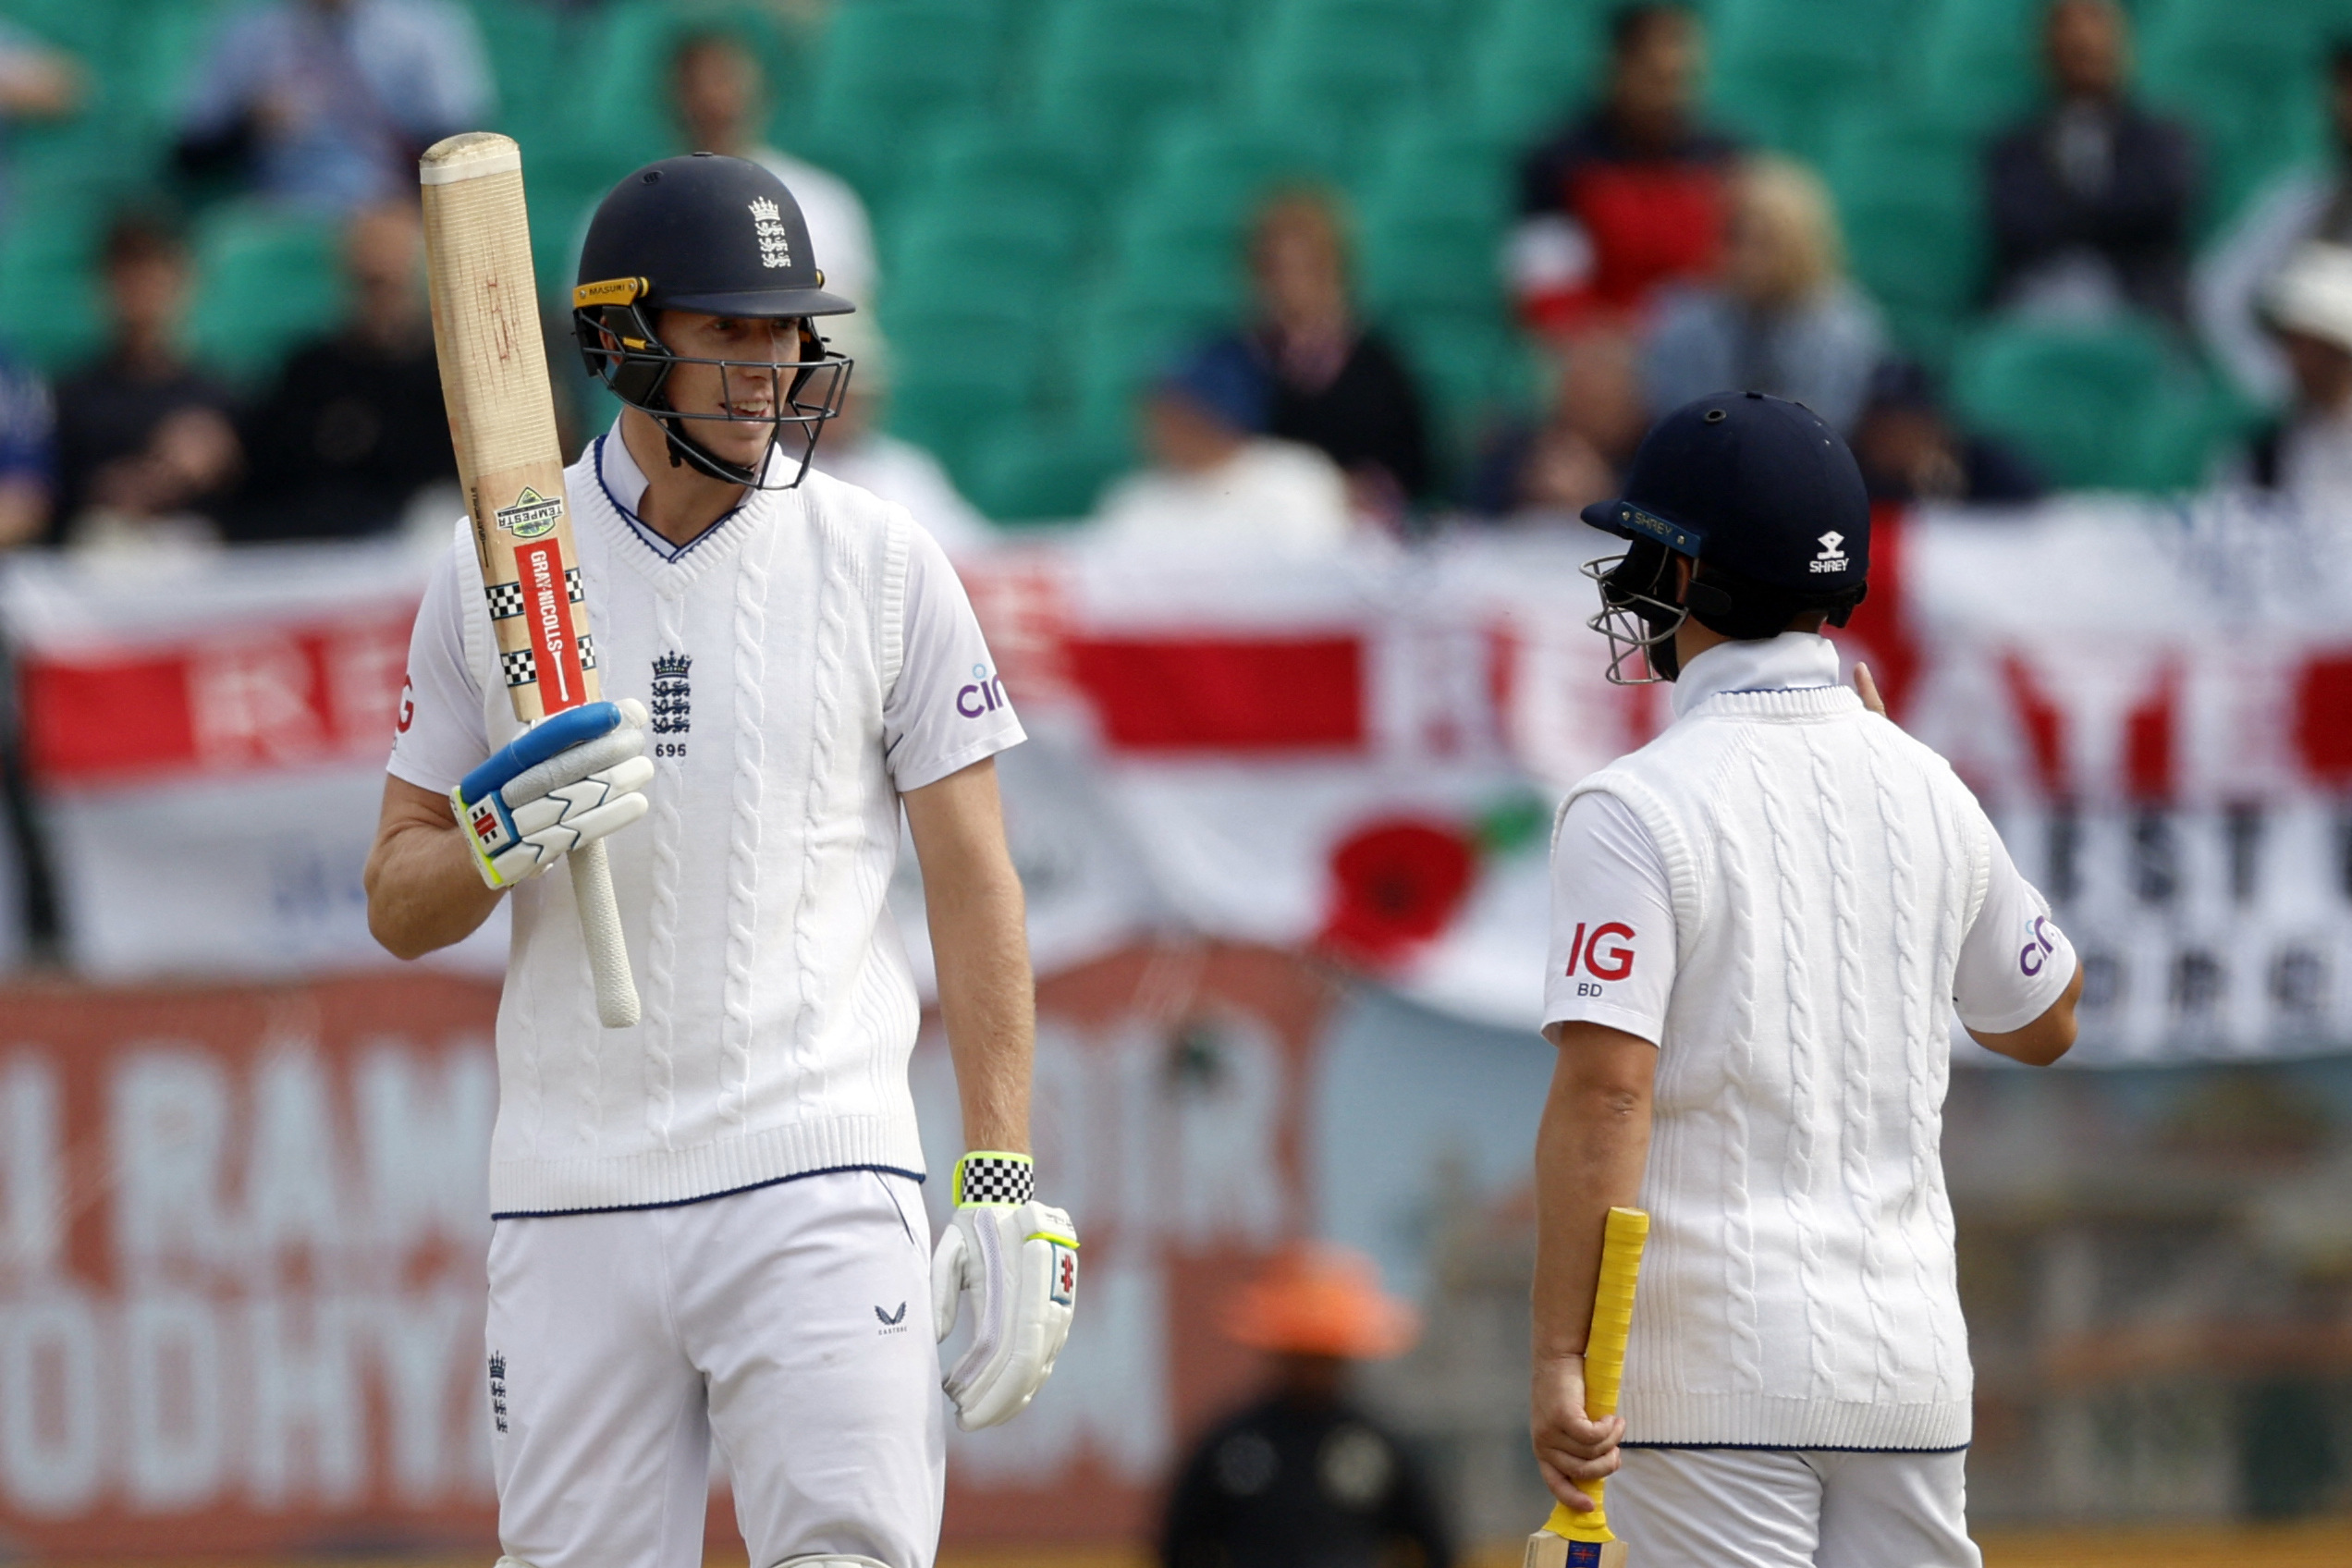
x=749, y=388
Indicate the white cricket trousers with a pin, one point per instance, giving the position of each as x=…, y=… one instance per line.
x=793, y=1321
x=1783, y=1508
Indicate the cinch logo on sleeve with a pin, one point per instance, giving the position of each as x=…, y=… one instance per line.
x=2040, y=942
x=1614, y=963
x=986, y=695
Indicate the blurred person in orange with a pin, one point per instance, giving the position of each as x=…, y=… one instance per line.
x=1216, y=481
x=1332, y=383
x=2305, y=454
x=146, y=446
x=1783, y=320
x=717, y=93
x=354, y=429
x=1302, y=1477
x=1632, y=194
x=2091, y=198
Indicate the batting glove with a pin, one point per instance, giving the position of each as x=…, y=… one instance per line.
x=1019, y=1259
x=564, y=782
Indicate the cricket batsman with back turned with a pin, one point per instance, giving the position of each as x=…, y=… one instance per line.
x=1759, y=920
x=707, y=1224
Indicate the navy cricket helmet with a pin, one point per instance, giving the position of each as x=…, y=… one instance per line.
x=721, y=237
x=1763, y=496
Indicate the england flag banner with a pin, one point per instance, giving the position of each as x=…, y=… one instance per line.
x=1352, y=756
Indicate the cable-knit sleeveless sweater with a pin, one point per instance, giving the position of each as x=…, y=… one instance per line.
x=780, y=1009
x=1798, y=1288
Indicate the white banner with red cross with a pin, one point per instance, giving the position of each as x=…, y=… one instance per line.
x=1355, y=756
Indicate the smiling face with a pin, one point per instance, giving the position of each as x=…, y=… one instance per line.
x=737, y=401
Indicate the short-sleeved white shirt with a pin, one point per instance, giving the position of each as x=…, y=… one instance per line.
x=1613, y=938
x=947, y=711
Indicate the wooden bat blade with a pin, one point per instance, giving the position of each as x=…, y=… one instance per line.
x=502, y=423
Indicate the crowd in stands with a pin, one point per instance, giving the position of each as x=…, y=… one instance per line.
x=1657, y=254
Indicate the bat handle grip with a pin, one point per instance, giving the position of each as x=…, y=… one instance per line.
x=592, y=886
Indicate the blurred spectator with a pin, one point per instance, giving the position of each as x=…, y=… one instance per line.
x=1630, y=196
x=28, y=455
x=2090, y=201
x=2306, y=457
x=145, y=445
x=2306, y=203
x=1909, y=450
x=327, y=102
x=1783, y=320
x=856, y=451
x=1216, y=478
x=1332, y=383
x=1303, y=1476
x=1575, y=457
x=355, y=426
x=716, y=84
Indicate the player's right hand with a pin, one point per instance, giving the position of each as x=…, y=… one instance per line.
x=1571, y=1447
x=564, y=782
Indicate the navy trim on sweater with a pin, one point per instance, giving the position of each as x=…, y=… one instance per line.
x=705, y=1197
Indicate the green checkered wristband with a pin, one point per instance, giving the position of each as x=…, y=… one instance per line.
x=990, y=1176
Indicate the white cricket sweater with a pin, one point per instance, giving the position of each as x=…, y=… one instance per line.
x=780, y=1009
x=1799, y=1287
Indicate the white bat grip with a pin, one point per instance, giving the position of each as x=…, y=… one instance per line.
x=600, y=924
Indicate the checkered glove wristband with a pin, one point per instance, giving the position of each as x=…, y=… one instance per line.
x=985, y=1176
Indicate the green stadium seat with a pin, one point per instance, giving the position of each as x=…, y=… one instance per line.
x=1347, y=83
x=1978, y=62
x=623, y=75
x=1785, y=66
x=1029, y=473
x=2104, y=408
x=2251, y=78
x=1109, y=73
x=49, y=295
x=888, y=74
x=265, y=279
x=1533, y=63
x=1909, y=196
x=1021, y=163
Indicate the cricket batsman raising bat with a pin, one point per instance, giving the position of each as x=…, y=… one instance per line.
x=1759, y=921
x=708, y=1222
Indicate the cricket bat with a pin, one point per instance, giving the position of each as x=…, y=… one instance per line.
x=502, y=420
x=1583, y=1540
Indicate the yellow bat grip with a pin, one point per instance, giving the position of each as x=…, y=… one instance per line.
x=1613, y=1318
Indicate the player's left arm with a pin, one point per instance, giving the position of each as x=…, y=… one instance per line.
x=1590, y=1151
x=1017, y=1257
x=987, y=1000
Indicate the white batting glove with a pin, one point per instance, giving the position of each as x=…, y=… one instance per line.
x=1019, y=1259
x=564, y=782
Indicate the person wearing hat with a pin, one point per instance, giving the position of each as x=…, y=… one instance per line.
x=2306, y=455
x=1761, y=924
x=1217, y=479
x=1301, y=1478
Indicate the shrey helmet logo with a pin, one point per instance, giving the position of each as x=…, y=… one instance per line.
x=1831, y=558
x=530, y=515
x=767, y=225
